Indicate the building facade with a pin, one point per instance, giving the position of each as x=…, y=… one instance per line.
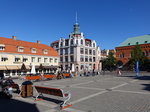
x=123, y=51
x=14, y=53
x=78, y=51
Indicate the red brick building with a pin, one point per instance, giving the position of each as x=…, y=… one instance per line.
x=123, y=51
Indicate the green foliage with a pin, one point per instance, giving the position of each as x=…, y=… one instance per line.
x=137, y=55
x=109, y=63
x=119, y=63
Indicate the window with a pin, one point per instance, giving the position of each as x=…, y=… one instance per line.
x=45, y=51
x=56, y=60
x=94, y=59
x=71, y=50
x=90, y=52
x=93, y=44
x=81, y=50
x=39, y=60
x=86, y=58
x=20, y=49
x=33, y=50
x=17, y=59
x=82, y=58
x=86, y=51
x=93, y=52
x=25, y=59
x=4, y=59
x=45, y=60
x=90, y=59
x=146, y=53
x=61, y=44
x=145, y=42
x=122, y=55
x=32, y=59
x=2, y=47
x=76, y=42
x=128, y=43
x=66, y=50
x=66, y=43
x=61, y=59
x=81, y=42
x=51, y=60
x=66, y=58
x=137, y=43
x=82, y=67
x=71, y=59
x=61, y=51
x=71, y=41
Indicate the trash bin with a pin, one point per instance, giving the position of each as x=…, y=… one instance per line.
x=27, y=89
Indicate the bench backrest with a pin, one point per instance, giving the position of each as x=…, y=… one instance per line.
x=33, y=77
x=51, y=91
x=67, y=74
x=49, y=76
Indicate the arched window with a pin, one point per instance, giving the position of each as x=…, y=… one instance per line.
x=81, y=42
x=77, y=42
x=93, y=44
x=71, y=42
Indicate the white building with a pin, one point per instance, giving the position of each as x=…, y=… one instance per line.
x=79, y=51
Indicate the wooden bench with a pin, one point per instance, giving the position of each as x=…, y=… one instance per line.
x=56, y=92
x=38, y=77
x=50, y=76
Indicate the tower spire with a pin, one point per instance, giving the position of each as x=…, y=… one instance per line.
x=76, y=18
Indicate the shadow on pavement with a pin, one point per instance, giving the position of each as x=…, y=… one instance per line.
x=11, y=105
x=144, y=78
x=147, y=87
x=52, y=100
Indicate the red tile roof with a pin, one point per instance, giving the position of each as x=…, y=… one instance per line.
x=11, y=46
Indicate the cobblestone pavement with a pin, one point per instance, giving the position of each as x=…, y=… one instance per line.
x=101, y=93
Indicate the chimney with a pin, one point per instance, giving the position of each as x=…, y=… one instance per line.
x=38, y=42
x=14, y=37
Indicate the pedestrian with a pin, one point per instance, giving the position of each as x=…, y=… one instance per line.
x=118, y=72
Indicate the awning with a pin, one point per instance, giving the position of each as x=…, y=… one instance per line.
x=27, y=67
x=25, y=57
x=3, y=68
x=17, y=57
x=12, y=67
x=4, y=56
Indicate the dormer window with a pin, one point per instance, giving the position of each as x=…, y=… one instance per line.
x=2, y=47
x=145, y=42
x=45, y=51
x=33, y=50
x=20, y=49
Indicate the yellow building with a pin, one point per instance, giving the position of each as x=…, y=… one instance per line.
x=16, y=53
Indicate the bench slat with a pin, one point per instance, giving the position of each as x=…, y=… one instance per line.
x=51, y=91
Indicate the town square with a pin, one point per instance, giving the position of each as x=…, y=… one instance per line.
x=74, y=56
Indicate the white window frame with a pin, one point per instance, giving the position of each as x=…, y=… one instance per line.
x=2, y=47
x=33, y=50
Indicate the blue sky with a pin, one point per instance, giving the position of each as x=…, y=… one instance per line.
x=109, y=22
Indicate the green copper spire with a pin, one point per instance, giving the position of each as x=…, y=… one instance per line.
x=76, y=26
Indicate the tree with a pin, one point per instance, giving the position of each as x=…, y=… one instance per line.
x=110, y=62
x=119, y=63
x=137, y=55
